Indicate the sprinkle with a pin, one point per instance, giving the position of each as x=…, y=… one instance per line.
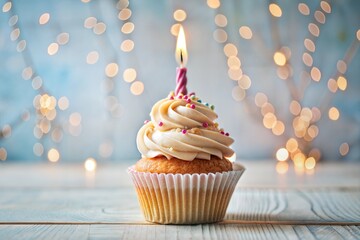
x=205, y=124
x=188, y=100
x=222, y=132
x=171, y=97
x=192, y=94
x=192, y=106
x=192, y=97
x=206, y=104
x=161, y=124
x=212, y=107
x=184, y=131
x=188, y=105
x=216, y=124
x=227, y=134
x=186, y=97
x=146, y=121
x=199, y=100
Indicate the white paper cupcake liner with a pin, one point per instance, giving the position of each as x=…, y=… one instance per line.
x=185, y=198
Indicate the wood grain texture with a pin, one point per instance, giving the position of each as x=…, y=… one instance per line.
x=119, y=205
x=64, y=202
x=207, y=231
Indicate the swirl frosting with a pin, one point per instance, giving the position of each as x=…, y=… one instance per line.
x=184, y=128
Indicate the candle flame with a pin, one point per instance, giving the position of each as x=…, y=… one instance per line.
x=181, y=53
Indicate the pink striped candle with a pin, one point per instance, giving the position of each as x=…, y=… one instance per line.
x=181, y=57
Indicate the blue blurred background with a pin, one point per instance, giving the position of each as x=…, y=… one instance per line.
x=78, y=52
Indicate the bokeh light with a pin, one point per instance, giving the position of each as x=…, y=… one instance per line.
x=341, y=83
x=53, y=49
x=275, y=10
x=53, y=155
x=137, y=88
x=213, y=3
x=230, y=50
x=124, y=14
x=63, y=103
x=334, y=114
x=220, y=20
x=303, y=9
x=128, y=28
x=6, y=7
x=3, y=154
x=90, y=165
x=238, y=93
x=344, y=149
x=129, y=75
x=127, y=45
x=111, y=70
x=92, y=57
x=245, y=32
x=279, y=58
x=220, y=35
x=44, y=18
x=282, y=154
x=179, y=15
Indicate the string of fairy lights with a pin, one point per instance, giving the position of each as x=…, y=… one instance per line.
x=298, y=140
x=46, y=107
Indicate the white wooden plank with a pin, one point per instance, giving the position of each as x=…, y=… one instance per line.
x=207, y=231
x=38, y=232
x=119, y=205
x=257, y=174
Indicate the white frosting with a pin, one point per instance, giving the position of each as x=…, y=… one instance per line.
x=174, y=115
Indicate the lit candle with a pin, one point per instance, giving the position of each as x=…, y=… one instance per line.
x=181, y=58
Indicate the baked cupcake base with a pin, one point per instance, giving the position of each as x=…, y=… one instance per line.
x=163, y=165
x=185, y=198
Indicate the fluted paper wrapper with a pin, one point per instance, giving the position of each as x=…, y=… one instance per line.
x=185, y=198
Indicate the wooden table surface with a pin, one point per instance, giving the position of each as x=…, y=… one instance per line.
x=63, y=201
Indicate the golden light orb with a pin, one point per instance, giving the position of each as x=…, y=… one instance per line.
x=279, y=58
x=334, y=114
x=213, y=3
x=310, y=163
x=341, y=83
x=179, y=15
x=53, y=155
x=90, y=165
x=282, y=154
x=137, y=88
x=275, y=10
x=245, y=32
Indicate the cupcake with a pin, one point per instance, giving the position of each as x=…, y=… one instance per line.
x=184, y=175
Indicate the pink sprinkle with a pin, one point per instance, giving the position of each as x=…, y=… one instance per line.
x=184, y=131
x=192, y=93
x=222, y=132
x=146, y=121
x=188, y=100
x=205, y=124
x=227, y=134
x=161, y=124
x=186, y=97
x=180, y=97
x=192, y=106
x=172, y=98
